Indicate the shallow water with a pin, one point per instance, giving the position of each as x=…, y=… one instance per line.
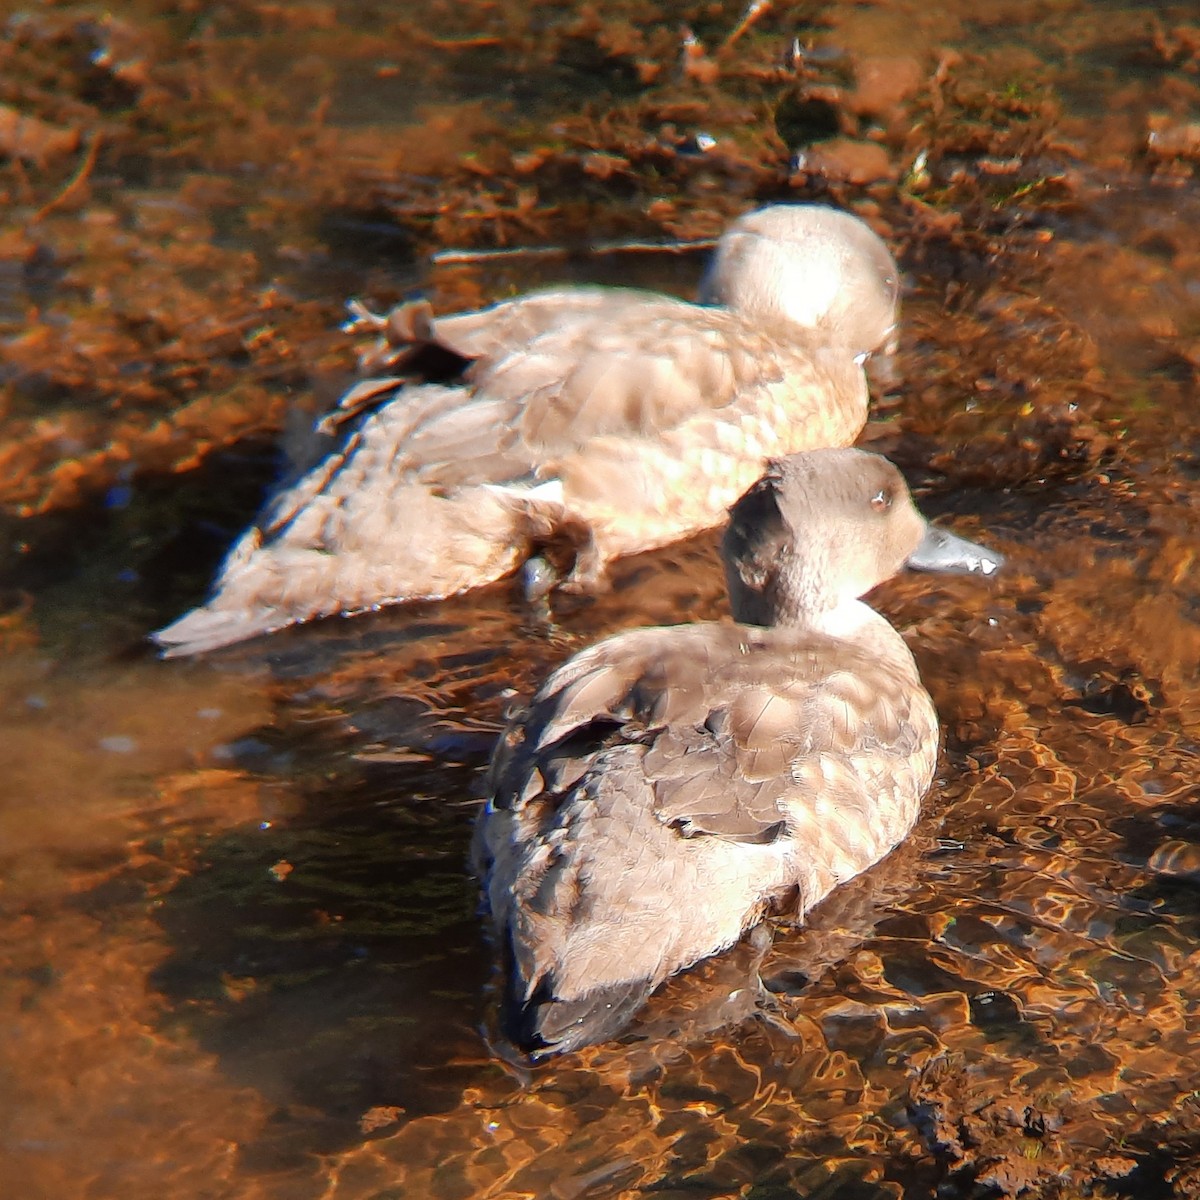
x=239, y=952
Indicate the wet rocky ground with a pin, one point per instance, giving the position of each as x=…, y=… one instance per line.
x=239, y=955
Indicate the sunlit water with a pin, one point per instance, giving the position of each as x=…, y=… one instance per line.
x=239, y=948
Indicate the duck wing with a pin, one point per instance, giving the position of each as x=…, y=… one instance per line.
x=627, y=364
x=430, y=435
x=715, y=763
x=492, y=332
x=735, y=723
x=624, y=690
x=588, y=362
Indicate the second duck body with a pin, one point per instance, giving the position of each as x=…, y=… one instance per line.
x=590, y=422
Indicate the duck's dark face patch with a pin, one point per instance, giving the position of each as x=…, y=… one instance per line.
x=757, y=535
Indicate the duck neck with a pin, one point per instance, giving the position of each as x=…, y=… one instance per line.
x=856, y=622
x=807, y=605
x=849, y=619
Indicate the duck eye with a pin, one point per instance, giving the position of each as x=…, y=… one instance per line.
x=882, y=500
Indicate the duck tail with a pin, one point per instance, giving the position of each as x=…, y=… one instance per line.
x=211, y=626
x=224, y=618
x=544, y=1025
x=285, y=586
x=420, y=546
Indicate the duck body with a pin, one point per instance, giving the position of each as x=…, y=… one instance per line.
x=668, y=787
x=589, y=422
x=667, y=822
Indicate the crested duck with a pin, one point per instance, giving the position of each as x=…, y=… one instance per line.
x=579, y=423
x=668, y=787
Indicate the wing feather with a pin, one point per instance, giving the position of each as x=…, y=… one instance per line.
x=732, y=746
x=588, y=363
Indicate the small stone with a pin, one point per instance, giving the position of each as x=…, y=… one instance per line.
x=844, y=160
x=118, y=745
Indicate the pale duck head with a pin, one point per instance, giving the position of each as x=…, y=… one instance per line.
x=818, y=267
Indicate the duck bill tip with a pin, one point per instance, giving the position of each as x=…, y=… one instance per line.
x=946, y=552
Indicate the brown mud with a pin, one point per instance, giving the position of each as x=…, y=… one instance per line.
x=240, y=955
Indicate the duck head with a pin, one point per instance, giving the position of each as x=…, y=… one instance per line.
x=816, y=267
x=821, y=529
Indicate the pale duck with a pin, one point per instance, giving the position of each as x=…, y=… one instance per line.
x=587, y=423
x=669, y=786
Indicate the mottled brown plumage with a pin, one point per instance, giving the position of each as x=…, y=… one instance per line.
x=611, y=421
x=666, y=786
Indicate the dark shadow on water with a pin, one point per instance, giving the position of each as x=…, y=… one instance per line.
x=143, y=551
x=333, y=961
x=1166, y=842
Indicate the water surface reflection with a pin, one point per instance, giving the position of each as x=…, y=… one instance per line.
x=241, y=957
